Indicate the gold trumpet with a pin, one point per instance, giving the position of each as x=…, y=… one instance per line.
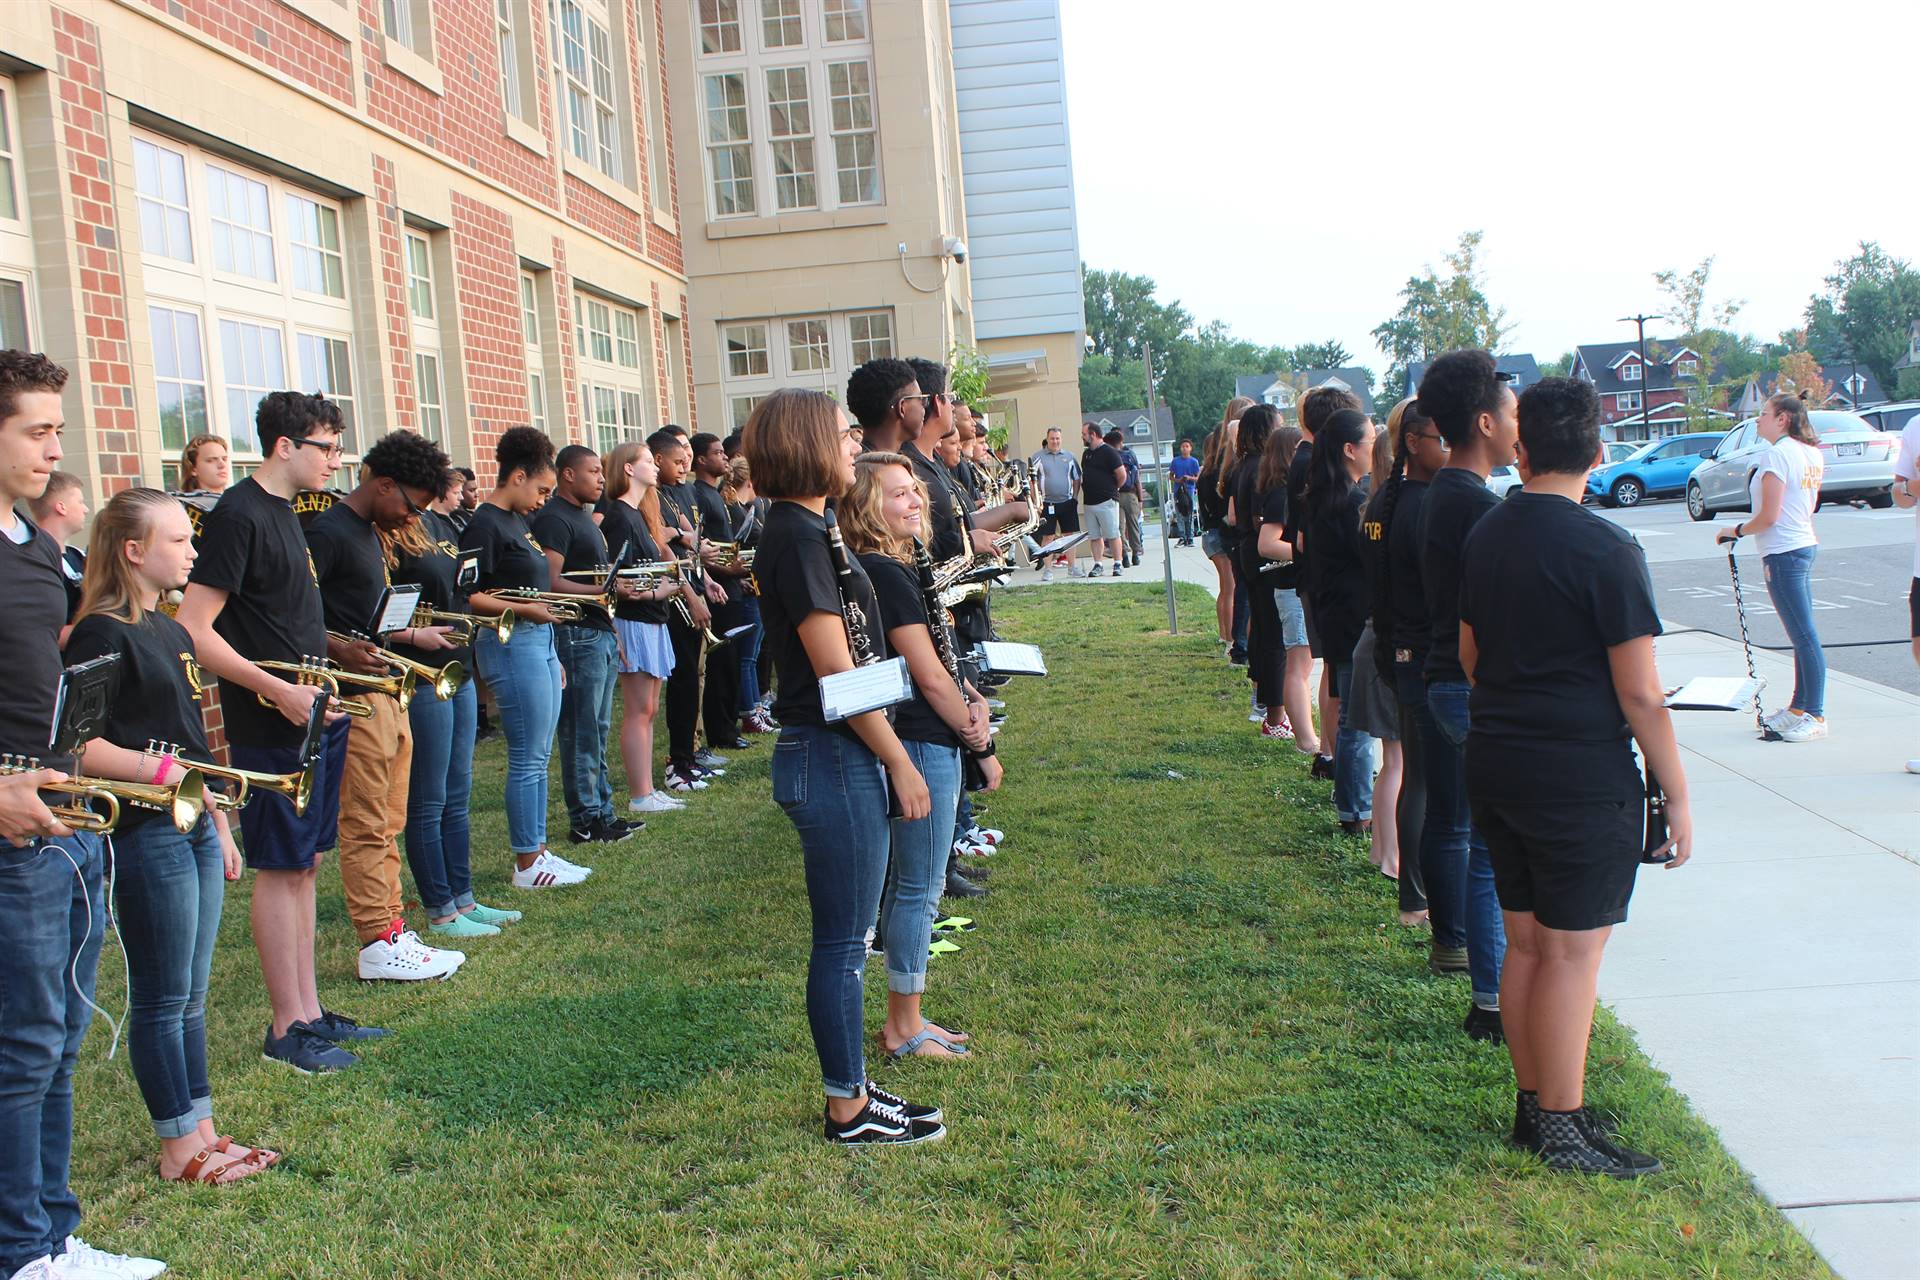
x=732, y=554
x=708, y=641
x=646, y=572
x=564, y=606
x=465, y=625
x=297, y=787
x=321, y=674
x=183, y=801
x=444, y=681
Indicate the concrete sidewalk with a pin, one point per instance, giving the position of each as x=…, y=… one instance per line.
x=1776, y=978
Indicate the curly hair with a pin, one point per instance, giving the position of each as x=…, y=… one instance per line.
x=407, y=458
x=1459, y=387
x=1560, y=426
x=523, y=449
x=26, y=371
x=861, y=512
x=873, y=386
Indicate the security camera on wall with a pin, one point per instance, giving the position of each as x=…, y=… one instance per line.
x=956, y=248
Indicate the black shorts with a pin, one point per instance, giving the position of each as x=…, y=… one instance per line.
x=276, y=838
x=1913, y=609
x=1313, y=627
x=1571, y=865
x=1065, y=518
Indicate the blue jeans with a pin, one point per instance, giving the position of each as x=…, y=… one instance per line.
x=525, y=680
x=835, y=793
x=1789, y=585
x=51, y=923
x=749, y=646
x=168, y=889
x=591, y=659
x=438, y=850
x=917, y=872
x=1461, y=902
x=1352, y=755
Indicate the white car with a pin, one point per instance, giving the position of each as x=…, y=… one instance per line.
x=1859, y=465
x=1504, y=480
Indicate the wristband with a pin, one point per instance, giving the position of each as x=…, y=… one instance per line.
x=1740, y=530
x=161, y=770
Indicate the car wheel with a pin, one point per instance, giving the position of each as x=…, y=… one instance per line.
x=1697, y=502
x=1881, y=501
x=1627, y=492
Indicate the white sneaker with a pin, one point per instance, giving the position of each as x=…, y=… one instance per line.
x=677, y=781
x=82, y=1261
x=383, y=961
x=544, y=873
x=969, y=849
x=985, y=835
x=1803, y=728
x=1046, y=575
x=1913, y=766
x=1775, y=719
x=570, y=868
x=40, y=1268
x=1075, y=571
x=655, y=802
x=430, y=955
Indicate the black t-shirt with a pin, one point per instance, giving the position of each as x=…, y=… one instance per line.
x=73, y=568
x=1337, y=573
x=1097, y=484
x=156, y=699
x=716, y=525
x=902, y=604
x=569, y=529
x=437, y=573
x=946, y=539
x=1297, y=507
x=36, y=608
x=796, y=572
x=1456, y=500
x=1548, y=588
x=1406, y=601
x=1246, y=511
x=1273, y=510
x=509, y=556
x=351, y=565
x=626, y=529
x=1213, y=507
x=251, y=547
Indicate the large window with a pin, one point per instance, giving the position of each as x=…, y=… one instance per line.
x=423, y=304
x=246, y=281
x=9, y=195
x=615, y=370
x=787, y=93
x=17, y=329
x=535, y=351
x=590, y=84
x=759, y=356
x=508, y=39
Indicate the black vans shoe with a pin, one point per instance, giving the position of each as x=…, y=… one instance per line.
x=880, y=1123
x=914, y=1111
x=1571, y=1141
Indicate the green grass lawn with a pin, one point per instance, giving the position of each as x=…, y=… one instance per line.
x=1204, y=1049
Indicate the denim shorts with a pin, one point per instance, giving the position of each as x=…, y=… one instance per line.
x=1213, y=542
x=1293, y=617
x=277, y=838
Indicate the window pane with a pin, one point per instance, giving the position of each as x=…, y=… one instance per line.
x=807, y=346
x=160, y=177
x=872, y=336
x=178, y=383
x=846, y=19
x=742, y=408
x=529, y=313
x=719, y=26
x=537, y=400
x=242, y=227
x=426, y=368
x=633, y=418
x=627, y=334
x=254, y=365
x=509, y=56
x=850, y=85
x=780, y=25
x=746, y=350
x=859, y=174
x=419, y=278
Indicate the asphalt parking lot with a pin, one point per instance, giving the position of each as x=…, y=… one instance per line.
x=1860, y=583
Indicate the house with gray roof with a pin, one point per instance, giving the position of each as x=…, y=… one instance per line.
x=1641, y=400
x=1522, y=372
x=1279, y=390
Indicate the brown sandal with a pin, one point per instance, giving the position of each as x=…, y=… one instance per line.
x=198, y=1170
x=261, y=1158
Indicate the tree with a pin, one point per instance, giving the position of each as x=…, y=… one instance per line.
x=1561, y=368
x=1801, y=373
x=1123, y=315
x=1109, y=384
x=1318, y=355
x=1867, y=312
x=1706, y=332
x=1439, y=315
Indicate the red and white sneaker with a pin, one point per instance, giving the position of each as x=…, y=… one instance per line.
x=977, y=834
x=968, y=849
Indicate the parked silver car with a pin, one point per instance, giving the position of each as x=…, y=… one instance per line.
x=1859, y=465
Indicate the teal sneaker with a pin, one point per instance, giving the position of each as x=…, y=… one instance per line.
x=465, y=927
x=484, y=914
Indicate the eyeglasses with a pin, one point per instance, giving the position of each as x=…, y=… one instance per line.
x=925, y=399
x=332, y=450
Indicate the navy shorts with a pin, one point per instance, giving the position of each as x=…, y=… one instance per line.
x=276, y=838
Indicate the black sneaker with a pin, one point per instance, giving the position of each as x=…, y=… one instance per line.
x=1526, y=1121
x=1444, y=959
x=914, y=1111
x=1567, y=1144
x=1601, y=1135
x=733, y=744
x=880, y=1122
x=974, y=870
x=1485, y=1024
x=632, y=826
x=306, y=1051
x=958, y=886
x=599, y=833
x=339, y=1028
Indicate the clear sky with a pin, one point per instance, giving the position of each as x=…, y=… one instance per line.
x=1285, y=166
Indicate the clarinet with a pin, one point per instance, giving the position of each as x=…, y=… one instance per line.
x=972, y=776
x=860, y=640
x=1656, y=821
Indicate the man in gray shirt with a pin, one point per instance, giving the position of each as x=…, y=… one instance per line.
x=1057, y=475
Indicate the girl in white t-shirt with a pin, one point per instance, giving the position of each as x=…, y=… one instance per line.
x=1785, y=490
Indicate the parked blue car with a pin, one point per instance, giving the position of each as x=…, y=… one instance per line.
x=1658, y=469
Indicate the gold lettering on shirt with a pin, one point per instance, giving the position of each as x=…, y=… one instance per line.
x=195, y=680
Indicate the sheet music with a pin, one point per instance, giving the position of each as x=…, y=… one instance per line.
x=863, y=689
x=1006, y=658
x=1715, y=693
x=396, y=610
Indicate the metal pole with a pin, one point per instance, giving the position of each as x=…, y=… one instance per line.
x=1166, y=547
x=1646, y=372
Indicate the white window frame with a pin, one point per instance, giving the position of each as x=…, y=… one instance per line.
x=589, y=78
x=777, y=365
x=329, y=383
x=616, y=397
x=507, y=35
x=426, y=330
x=788, y=16
x=1688, y=368
x=1630, y=371
x=866, y=346
x=215, y=296
x=174, y=215
x=530, y=341
x=16, y=240
x=673, y=330
x=764, y=174
x=419, y=276
x=714, y=19
x=430, y=396
x=253, y=188
x=178, y=376
x=297, y=202
x=10, y=162
x=272, y=337
x=1628, y=401
x=845, y=13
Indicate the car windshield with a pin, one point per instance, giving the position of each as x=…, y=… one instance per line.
x=1643, y=450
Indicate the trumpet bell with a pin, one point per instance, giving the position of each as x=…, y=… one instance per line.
x=447, y=683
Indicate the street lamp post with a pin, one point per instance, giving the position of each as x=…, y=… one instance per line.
x=1646, y=369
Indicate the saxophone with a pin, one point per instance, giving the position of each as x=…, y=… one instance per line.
x=972, y=776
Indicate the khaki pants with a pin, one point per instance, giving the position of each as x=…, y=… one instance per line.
x=1130, y=529
x=373, y=811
